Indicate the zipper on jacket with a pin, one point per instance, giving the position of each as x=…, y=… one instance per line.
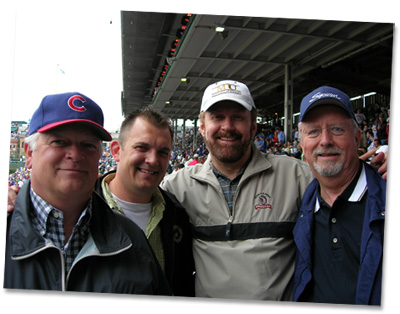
x=48, y=245
x=94, y=254
x=230, y=212
x=228, y=227
x=63, y=283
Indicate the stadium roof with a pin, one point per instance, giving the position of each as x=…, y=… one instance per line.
x=353, y=56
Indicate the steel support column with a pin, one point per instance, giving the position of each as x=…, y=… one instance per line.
x=183, y=134
x=176, y=137
x=194, y=135
x=288, y=123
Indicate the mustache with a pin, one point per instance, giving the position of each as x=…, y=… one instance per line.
x=324, y=151
x=234, y=135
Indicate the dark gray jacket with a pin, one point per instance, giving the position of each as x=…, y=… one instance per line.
x=177, y=244
x=116, y=258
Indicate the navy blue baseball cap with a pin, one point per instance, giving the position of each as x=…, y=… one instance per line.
x=60, y=109
x=326, y=95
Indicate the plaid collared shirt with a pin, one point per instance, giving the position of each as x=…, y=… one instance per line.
x=48, y=221
x=228, y=186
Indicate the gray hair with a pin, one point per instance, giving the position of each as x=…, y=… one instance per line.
x=31, y=140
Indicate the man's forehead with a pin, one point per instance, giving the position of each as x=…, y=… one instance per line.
x=145, y=124
x=225, y=105
x=145, y=135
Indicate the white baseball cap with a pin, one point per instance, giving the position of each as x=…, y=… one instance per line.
x=227, y=90
x=382, y=148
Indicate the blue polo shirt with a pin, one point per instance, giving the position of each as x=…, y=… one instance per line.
x=336, y=247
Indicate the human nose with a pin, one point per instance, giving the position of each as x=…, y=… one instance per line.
x=152, y=158
x=326, y=136
x=227, y=124
x=74, y=152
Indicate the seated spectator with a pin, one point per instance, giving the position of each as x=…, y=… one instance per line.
x=360, y=117
x=194, y=161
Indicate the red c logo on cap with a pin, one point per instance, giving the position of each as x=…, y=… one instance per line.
x=73, y=107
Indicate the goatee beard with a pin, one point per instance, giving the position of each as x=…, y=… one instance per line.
x=328, y=168
x=228, y=154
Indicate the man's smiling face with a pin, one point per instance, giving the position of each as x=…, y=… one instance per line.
x=143, y=159
x=329, y=141
x=228, y=131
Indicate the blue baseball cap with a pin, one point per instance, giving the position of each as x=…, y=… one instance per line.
x=60, y=109
x=326, y=95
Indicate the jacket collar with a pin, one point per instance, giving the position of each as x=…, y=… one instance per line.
x=105, y=229
x=358, y=192
x=25, y=238
x=376, y=194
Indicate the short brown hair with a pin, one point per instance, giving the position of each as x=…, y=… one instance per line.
x=151, y=116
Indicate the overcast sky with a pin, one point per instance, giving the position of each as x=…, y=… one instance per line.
x=68, y=50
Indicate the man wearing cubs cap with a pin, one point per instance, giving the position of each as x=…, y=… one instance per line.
x=340, y=229
x=61, y=235
x=242, y=203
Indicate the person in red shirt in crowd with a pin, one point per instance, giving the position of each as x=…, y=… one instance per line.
x=195, y=160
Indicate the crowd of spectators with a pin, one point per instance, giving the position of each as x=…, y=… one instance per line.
x=19, y=177
x=107, y=162
x=273, y=141
x=374, y=123
x=187, y=153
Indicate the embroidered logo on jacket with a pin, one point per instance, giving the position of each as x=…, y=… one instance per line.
x=263, y=201
x=177, y=233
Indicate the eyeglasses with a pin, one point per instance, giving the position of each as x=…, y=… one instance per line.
x=333, y=130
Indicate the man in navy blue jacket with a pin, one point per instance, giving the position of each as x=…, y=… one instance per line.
x=340, y=229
